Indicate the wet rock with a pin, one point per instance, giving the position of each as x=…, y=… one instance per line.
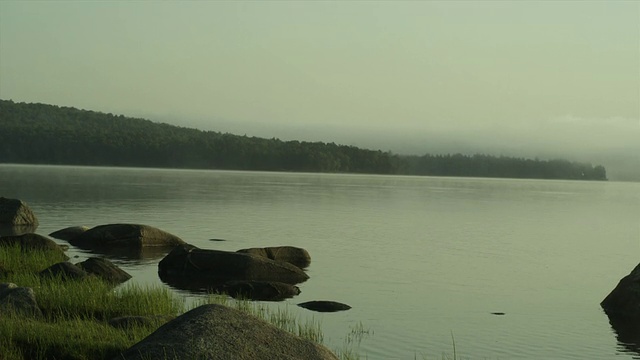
x=16, y=212
x=131, y=236
x=624, y=299
x=219, y=332
x=324, y=306
x=104, y=269
x=293, y=255
x=189, y=263
x=65, y=270
x=18, y=300
x=69, y=233
x=32, y=242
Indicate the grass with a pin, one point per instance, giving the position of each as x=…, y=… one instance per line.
x=357, y=333
x=15, y=262
x=74, y=325
x=65, y=338
x=89, y=298
x=281, y=318
x=447, y=356
x=75, y=313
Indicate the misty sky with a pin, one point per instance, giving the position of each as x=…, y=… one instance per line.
x=537, y=78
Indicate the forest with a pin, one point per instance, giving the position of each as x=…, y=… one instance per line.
x=48, y=134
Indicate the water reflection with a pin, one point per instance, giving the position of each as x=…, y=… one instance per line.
x=627, y=333
x=408, y=251
x=250, y=290
x=8, y=230
x=142, y=255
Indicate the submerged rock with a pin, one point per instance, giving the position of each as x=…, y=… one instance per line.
x=217, y=332
x=324, y=306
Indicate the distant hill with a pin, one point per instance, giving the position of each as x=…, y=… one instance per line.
x=49, y=134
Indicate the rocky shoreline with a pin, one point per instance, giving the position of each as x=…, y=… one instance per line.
x=265, y=274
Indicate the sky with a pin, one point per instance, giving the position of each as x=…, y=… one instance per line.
x=540, y=79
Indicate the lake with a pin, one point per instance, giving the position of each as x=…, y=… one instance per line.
x=423, y=261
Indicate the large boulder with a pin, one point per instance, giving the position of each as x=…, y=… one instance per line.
x=189, y=263
x=624, y=299
x=18, y=300
x=132, y=236
x=32, y=242
x=219, y=332
x=293, y=255
x=69, y=233
x=16, y=212
x=104, y=269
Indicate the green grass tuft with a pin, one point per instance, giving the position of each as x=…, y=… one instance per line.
x=74, y=325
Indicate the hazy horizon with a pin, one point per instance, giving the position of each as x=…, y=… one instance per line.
x=530, y=79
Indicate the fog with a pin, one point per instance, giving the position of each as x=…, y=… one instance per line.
x=613, y=143
x=529, y=79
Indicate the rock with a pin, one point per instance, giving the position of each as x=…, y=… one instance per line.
x=324, y=306
x=32, y=242
x=260, y=290
x=69, y=233
x=20, y=300
x=132, y=236
x=127, y=322
x=10, y=230
x=293, y=255
x=104, y=269
x=189, y=263
x=16, y=212
x=219, y=332
x=65, y=270
x=624, y=299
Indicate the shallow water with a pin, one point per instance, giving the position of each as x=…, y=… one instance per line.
x=423, y=261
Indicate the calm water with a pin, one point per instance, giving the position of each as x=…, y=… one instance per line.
x=418, y=258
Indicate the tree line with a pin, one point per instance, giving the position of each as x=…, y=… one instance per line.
x=49, y=134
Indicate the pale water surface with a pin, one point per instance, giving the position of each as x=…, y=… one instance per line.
x=418, y=258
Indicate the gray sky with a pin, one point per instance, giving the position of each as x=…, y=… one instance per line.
x=537, y=78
